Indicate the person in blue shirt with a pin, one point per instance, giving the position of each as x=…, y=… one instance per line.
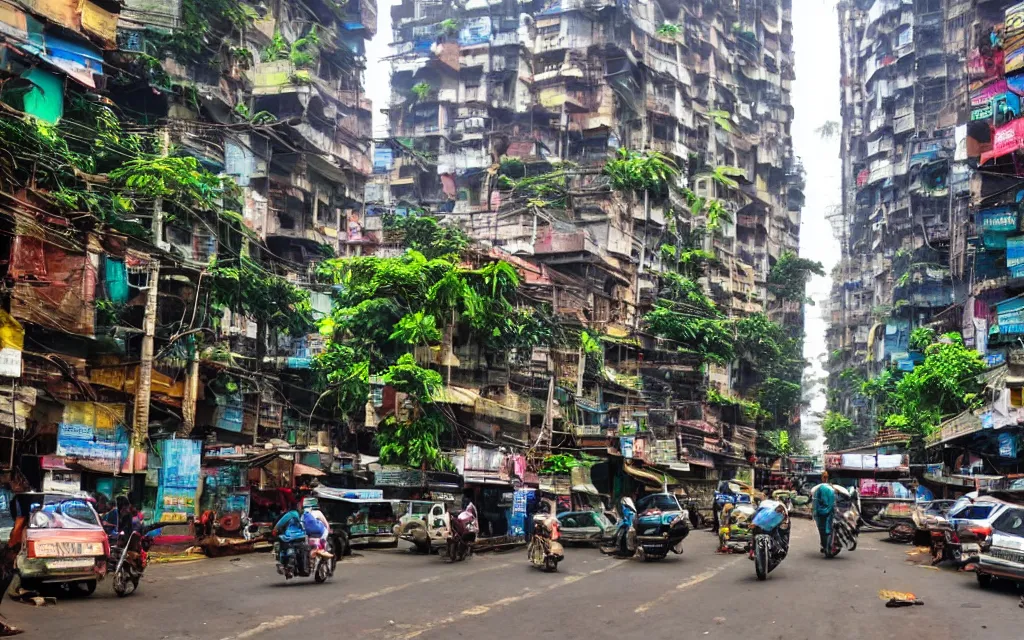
x=290, y=532
x=824, y=507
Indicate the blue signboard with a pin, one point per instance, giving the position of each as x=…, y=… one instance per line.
x=475, y=31
x=994, y=359
x=179, y=479
x=1007, y=445
x=1010, y=315
x=998, y=219
x=517, y=523
x=1015, y=256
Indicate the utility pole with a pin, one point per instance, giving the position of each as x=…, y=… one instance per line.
x=188, y=402
x=144, y=384
x=157, y=225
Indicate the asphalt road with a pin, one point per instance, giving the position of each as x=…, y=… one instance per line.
x=397, y=595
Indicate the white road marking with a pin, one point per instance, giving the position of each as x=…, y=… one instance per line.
x=682, y=586
x=270, y=625
x=281, y=621
x=483, y=609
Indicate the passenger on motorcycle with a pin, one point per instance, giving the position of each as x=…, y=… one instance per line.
x=823, y=499
x=318, y=530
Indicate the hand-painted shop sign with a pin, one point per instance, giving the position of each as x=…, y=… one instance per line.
x=1007, y=139
x=999, y=219
x=984, y=95
x=995, y=359
x=1010, y=315
x=398, y=478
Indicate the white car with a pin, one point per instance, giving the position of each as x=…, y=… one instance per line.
x=981, y=512
x=1003, y=557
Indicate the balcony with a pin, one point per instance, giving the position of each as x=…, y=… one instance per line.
x=661, y=104
x=553, y=242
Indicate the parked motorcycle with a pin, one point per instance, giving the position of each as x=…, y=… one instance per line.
x=128, y=562
x=462, y=530
x=294, y=559
x=770, y=526
x=545, y=551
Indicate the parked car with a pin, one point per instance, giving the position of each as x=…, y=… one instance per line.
x=64, y=543
x=585, y=526
x=412, y=524
x=1002, y=556
x=982, y=512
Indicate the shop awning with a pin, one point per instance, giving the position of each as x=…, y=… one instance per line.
x=648, y=477
x=1007, y=139
x=586, y=488
x=306, y=470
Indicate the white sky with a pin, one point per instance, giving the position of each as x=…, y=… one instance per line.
x=815, y=99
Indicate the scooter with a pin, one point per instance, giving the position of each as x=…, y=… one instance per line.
x=462, y=530
x=545, y=551
x=770, y=544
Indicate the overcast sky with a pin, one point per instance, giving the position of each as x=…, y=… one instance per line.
x=815, y=99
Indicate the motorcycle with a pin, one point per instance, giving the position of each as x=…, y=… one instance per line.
x=294, y=559
x=545, y=551
x=128, y=562
x=770, y=526
x=844, y=526
x=462, y=530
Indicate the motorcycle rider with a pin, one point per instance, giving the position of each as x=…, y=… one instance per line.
x=291, y=533
x=823, y=499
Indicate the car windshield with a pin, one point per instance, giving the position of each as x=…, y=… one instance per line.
x=664, y=502
x=56, y=512
x=420, y=508
x=1011, y=522
x=975, y=512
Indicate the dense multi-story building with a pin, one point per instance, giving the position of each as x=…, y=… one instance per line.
x=930, y=218
x=904, y=89
x=200, y=159
x=487, y=96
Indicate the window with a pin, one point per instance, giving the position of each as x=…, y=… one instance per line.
x=975, y=512
x=1011, y=522
x=662, y=501
x=55, y=512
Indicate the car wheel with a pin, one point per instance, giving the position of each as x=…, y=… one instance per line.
x=341, y=543
x=984, y=580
